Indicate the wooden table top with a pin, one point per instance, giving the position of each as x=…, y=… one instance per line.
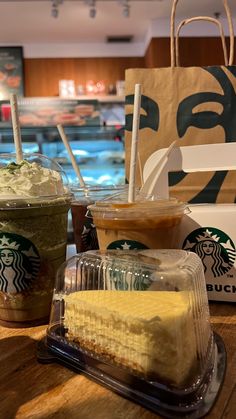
x=29, y=390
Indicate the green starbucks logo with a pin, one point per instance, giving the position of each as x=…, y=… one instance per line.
x=126, y=245
x=214, y=247
x=19, y=263
x=138, y=282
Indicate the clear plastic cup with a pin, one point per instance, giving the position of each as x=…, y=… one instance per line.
x=85, y=235
x=33, y=236
x=144, y=224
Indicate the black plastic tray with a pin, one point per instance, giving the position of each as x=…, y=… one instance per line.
x=161, y=400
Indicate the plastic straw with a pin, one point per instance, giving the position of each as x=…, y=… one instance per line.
x=134, y=143
x=72, y=157
x=16, y=128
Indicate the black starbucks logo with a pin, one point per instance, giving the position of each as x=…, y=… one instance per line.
x=89, y=239
x=126, y=245
x=214, y=247
x=19, y=263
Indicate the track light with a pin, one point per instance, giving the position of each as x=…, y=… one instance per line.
x=92, y=4
x=55, y=7
x=126, y=10
x=54, y=10
x=126, y=7
x=217, y=15
x=92, y=8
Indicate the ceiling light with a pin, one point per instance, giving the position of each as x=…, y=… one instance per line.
x=126, y=7
x=54, y=12
x=92, y=8
x=55, y=7
x=217, y=15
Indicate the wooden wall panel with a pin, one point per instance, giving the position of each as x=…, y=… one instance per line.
x=158, y=53
x=200, y=51
x=42, y=75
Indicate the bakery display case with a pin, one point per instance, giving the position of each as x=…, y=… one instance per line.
x=99, y=151
x=94, y=129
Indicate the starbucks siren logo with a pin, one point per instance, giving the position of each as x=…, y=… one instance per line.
x=214, y=247
x=89, y=237
x=126, y=245
x=19, y=263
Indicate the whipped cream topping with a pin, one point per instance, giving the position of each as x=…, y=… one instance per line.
x=29, y=180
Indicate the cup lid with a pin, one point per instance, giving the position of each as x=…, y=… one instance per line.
x=140, y=208
x=36, y=181
x=92, y=193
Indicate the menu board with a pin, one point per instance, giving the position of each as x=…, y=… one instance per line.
x=40, y=112
x=11, y=72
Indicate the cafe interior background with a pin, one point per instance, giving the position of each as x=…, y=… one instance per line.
x=66, y=61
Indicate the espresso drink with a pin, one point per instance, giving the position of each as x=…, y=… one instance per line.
x=143, y=224
x=85, y=234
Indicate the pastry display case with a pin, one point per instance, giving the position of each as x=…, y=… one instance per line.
x=95, y=131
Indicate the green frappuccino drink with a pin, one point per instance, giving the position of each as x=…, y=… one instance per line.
x=34, y=206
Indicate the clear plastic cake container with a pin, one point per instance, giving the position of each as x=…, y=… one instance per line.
x=138, y=323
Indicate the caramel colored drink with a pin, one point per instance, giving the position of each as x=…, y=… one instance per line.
x=151, y=224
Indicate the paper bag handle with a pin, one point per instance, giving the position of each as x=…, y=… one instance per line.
x=172, y=34
x=194, y=19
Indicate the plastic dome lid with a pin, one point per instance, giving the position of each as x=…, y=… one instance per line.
x=140, y=314
x=37, y=180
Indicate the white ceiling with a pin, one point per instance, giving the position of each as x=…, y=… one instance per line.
x=29, y=22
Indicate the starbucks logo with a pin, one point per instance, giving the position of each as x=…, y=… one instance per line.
x=126, y=245
x=89, y=237
x=19, y=263
x=121, y=282
x=215, y=248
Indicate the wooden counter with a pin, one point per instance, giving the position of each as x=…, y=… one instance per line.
x=29, y=390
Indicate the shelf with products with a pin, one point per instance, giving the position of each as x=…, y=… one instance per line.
x=76, y=111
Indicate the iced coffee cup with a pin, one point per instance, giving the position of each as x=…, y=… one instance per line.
x=143, y=224
x=34, y=204
x=85, y=235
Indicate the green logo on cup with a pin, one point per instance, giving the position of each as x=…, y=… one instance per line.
x=126, y=245
x=214, y=247
x=19, y=263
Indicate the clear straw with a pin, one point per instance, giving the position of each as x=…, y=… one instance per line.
x=134, y=143
x=16, y=128
x=72, y=157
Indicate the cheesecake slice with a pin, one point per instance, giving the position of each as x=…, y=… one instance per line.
x=150, y=333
